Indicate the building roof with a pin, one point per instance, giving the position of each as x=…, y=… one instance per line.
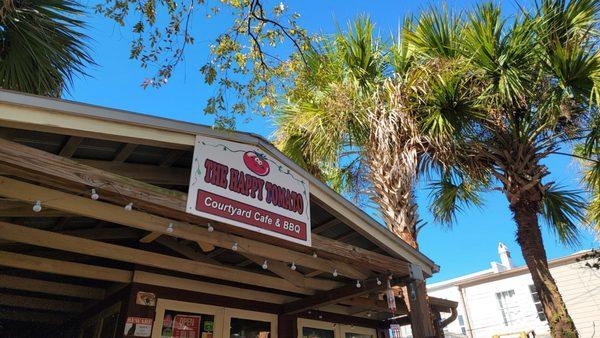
x=112, y=122
x=489, y=275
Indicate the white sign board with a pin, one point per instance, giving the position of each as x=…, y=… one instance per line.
x=239, y=184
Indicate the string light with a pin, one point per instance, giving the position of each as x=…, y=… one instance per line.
x=378, y=281
x=129, y=206
x=369, y=314
x=314, y=255
x=265, y=265
x=235, y=246
x=210, y=228
x=358, y=283
x=335, y=273
x=94, y=195
x=293, y=267
x=37, y=207
x=170, y=228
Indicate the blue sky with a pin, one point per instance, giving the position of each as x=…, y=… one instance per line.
x=115, y=82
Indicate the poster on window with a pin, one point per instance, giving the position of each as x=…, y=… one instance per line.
x=244, y=186
x=185, y=326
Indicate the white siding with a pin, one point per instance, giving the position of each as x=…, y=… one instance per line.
x=485, y=314
x=580, y=288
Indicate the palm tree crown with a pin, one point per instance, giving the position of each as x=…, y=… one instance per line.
x=41, y=45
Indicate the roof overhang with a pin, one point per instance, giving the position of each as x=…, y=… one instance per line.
x=72, y=118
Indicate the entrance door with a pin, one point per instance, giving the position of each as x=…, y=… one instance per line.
x=308, y=328
x=175, y=319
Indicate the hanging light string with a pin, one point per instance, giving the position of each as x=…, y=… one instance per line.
x=129, y=205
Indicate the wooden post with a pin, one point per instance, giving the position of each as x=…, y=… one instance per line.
x=415, y=297
x=287, y=326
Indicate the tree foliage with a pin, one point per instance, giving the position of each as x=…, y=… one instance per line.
x=41, y=45
x=246, y=62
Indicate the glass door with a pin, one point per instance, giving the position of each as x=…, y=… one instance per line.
x=308, y=328
x=176, y=319
x=249, y=324
x=347, y=331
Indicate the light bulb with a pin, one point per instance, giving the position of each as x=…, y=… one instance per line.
x=265, y=265
x=210, y=228
x=170, y=228
x=320, y=316
x=358, y=284
x=369, y=314
x=335, y=273
x=293, y=267
x=314, y=255
x=129, y=206
x=94, y=195
x=37, y=207
x=234, y=247
x=378, y=281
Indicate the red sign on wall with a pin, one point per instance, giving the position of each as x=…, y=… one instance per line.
x=185, y=326
x=241, y=185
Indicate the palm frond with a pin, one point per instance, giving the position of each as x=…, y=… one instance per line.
x=563, y=210
x=41, y=46
x=451, y=194
x=504, y=55
x=436, y=33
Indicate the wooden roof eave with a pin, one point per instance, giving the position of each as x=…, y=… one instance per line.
x=47, y=114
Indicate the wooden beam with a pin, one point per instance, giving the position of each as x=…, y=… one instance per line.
x=65, y=173
x=58, y=241
x=141, y=220
x=99, y=234
x=144, y=172
x=415, y=299
x=34, y=317
x=70, y=146
x=171, y=158
x=38, y=303
x=33, y=263
x=284, y=271
x=368, y=303
x=124, y=153
x=150, y=237
x=51, y=288
x=144, y=277
x=321, y=228
x=338, y=295
x=185, y=250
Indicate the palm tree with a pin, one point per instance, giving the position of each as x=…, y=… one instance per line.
x=356, y=118
x=41, y=45
x=538, y=79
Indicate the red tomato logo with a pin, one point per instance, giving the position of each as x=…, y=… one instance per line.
x=257, y=163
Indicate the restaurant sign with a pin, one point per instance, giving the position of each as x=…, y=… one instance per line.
x=242, y=185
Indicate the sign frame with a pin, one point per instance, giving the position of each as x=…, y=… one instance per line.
x=245, y=186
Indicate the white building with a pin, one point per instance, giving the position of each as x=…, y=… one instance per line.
x=502, y=299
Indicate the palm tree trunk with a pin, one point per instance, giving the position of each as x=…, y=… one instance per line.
x=529, y=237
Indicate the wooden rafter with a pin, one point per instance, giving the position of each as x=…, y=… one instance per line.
x=51, y=288
x=141, y=220
x=65, y=173
x=70, y=146
x=144, y=172
x=38, y=303
x=283, y=270
x=58, y=241
x=124, y=153
x=33, y=263
x=338, y=295
x=182, y=249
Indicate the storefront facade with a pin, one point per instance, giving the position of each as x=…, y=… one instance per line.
x=114, y=224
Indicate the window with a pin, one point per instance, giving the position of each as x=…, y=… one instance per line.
x=537, y=303
x=508, y=306
x=461, y=322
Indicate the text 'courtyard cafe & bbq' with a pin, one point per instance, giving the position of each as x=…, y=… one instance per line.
x=115, y=224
